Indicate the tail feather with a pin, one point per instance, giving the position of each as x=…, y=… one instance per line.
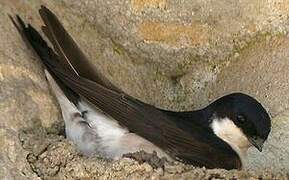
x=66, y=56
x=46, y=54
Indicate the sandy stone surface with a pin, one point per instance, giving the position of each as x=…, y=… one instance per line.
x=177, y=55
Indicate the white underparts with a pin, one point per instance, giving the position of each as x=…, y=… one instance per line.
x=225, y=129
x=97, y=133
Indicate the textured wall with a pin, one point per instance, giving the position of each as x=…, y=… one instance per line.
x=173, y=54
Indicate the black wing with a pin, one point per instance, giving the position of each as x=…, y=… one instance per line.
x=69, y=51
x=199, y=148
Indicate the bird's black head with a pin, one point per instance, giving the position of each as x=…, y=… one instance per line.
x=247, y=114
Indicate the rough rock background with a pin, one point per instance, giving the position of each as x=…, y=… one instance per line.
x=177, y=55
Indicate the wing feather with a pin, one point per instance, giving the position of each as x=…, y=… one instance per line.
x=69, y=52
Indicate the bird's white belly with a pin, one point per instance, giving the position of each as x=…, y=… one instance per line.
x=104, y=135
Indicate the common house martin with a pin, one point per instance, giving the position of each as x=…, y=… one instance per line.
x=102, y=119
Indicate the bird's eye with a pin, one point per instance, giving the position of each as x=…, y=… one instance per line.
x=241, y=119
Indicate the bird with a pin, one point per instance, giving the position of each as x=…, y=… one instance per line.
x=102, y=119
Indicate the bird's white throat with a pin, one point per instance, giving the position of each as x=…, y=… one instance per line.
x=225, y=129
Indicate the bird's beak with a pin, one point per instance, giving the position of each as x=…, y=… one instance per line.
x=257, y=142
